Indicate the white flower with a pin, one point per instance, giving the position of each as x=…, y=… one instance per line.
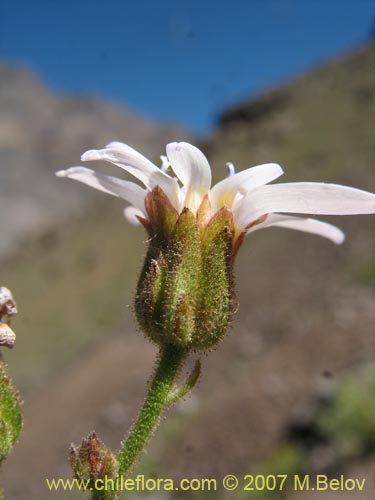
x=254, y=203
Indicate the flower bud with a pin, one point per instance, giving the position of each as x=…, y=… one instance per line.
x=92, y=460
x=185, y=294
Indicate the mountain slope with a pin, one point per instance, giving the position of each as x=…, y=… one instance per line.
x=306, y=306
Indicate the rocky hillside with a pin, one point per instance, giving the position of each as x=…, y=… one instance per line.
x=41, y=132
x=287, y=390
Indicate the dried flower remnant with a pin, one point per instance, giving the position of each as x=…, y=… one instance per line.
x=7, y=336
x=8, y=308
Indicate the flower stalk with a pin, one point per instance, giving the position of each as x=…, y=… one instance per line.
x=160, y=396
x=96, y=465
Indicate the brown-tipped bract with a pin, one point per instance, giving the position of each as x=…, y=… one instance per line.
x=185, y=294
x=92, y=460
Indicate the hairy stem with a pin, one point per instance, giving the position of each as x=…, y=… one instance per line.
x=158, y=398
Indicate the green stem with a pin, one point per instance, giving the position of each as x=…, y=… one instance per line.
x=167, y=369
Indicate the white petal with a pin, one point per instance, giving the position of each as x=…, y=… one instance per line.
x=304, y=197
x=312, y=226
x=136, y=164
x=129, y=191
x=131, y=213
x=224, y=191
x=193, y=170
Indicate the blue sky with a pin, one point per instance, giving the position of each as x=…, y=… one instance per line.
x=177, y=60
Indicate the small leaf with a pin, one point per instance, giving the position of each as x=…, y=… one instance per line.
x=10, y=414
x=183, y=390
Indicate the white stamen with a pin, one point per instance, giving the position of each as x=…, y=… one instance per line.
x=231, y=170
x=164, y=164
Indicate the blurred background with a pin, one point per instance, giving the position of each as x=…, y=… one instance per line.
x=291, y=388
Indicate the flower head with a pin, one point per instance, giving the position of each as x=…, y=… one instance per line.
x=185, y=294
x=185, y=179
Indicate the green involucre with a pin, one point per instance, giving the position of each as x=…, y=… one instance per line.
x=185, y=295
